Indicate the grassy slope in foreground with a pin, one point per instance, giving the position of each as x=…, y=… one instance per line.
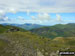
x=26, y=43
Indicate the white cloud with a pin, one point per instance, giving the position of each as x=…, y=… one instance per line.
x=5, y=18
x=60, y=20
x=43, y=16
x=28, y=12
x=2, y=16
x=48, y=6
x=33, y=18
x=20, y=18
x=1, y=12
x=58, y=17
x=12, y=10
x=43, y=7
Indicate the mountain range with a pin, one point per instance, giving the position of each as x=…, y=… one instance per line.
x=27, y=26
x=59, y=30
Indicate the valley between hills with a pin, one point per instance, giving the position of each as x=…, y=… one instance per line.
x=43, y=41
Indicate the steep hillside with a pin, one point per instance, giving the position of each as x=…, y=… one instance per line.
x=59, y=30
x=5, y=28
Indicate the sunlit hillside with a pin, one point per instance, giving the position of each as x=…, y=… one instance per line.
x=59, y=30
x=26, y=43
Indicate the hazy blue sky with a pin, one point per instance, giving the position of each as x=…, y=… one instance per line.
x=47, y=12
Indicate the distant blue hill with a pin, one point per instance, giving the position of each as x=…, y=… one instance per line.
x=26, y=26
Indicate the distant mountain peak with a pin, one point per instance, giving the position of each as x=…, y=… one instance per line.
x=26, y=26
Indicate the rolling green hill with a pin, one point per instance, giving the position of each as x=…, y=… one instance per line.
x=59, y=30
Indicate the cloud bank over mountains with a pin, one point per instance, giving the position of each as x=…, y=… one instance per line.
x=49, y=6
x=42, y=7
